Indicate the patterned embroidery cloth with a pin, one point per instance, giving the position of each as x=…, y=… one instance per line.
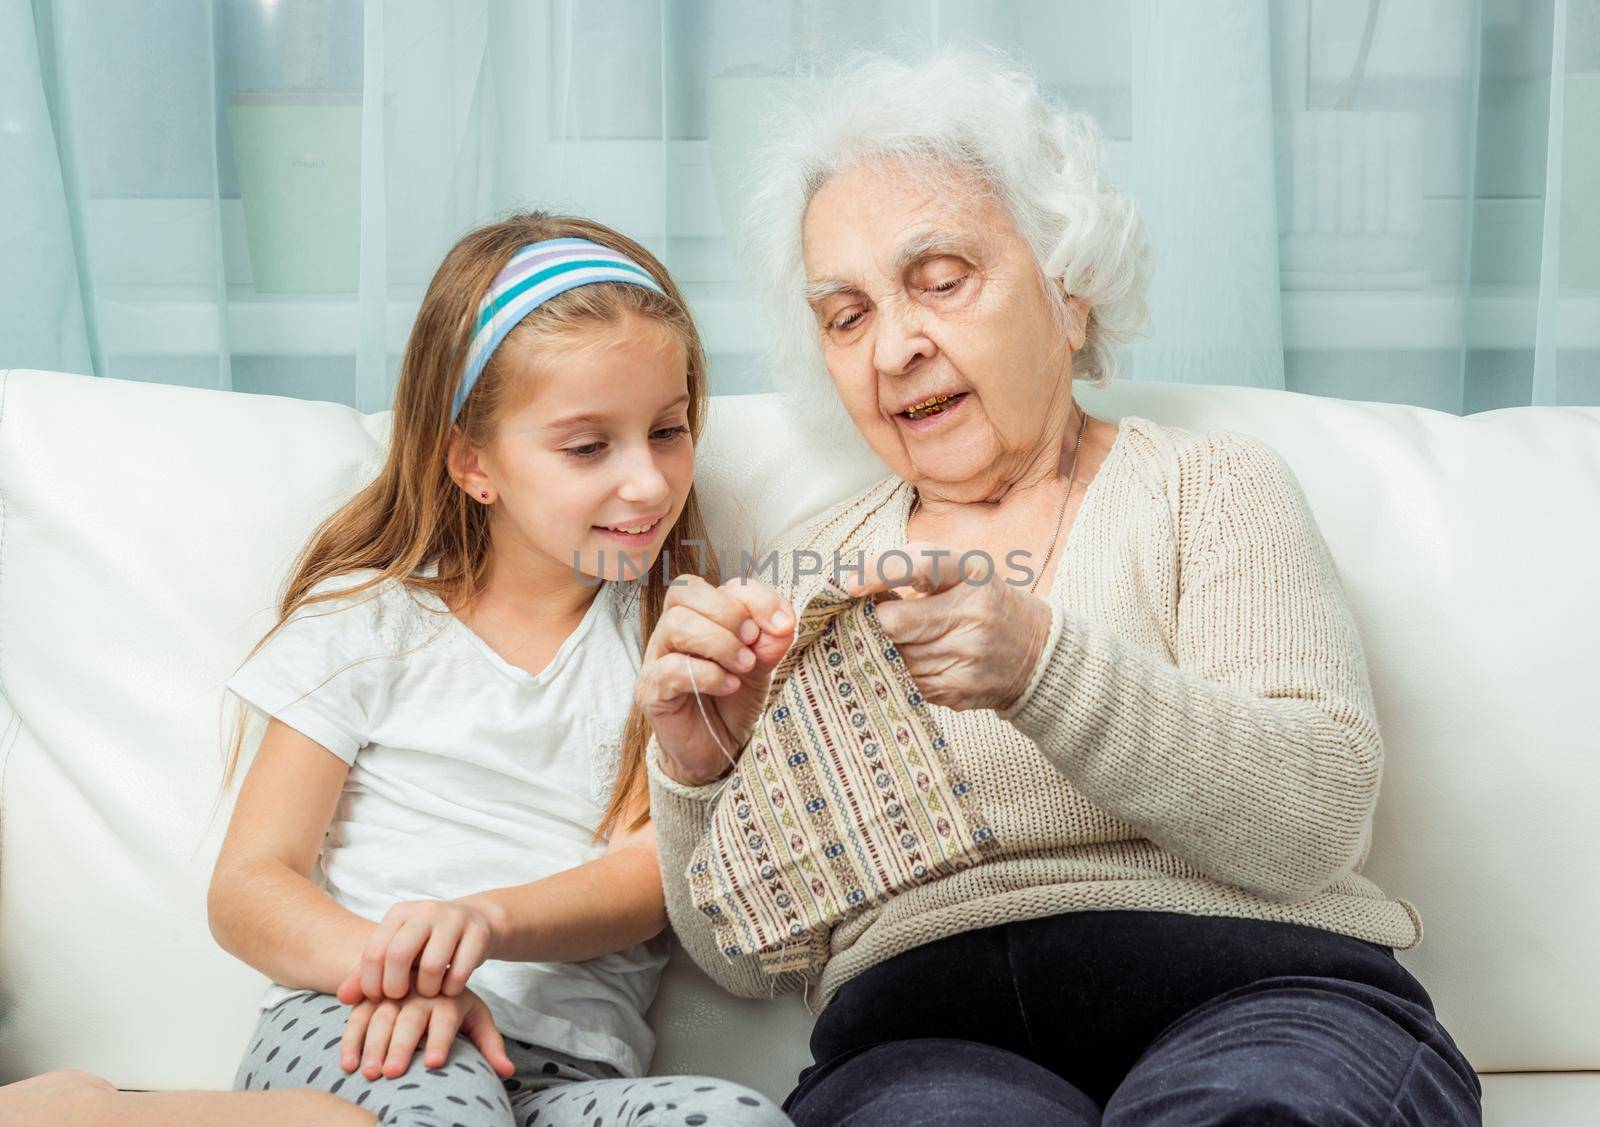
x=846, y=795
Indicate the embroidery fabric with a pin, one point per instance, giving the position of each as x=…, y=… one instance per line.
x=846, y=795
x=605, y=734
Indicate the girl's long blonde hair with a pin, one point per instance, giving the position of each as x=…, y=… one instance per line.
x=413, y=513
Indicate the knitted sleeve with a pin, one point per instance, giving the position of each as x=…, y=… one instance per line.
x=1256, y=757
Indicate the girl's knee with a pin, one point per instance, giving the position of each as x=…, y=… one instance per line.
x=307, y=1105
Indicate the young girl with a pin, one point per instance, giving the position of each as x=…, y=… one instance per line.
x=451, y=739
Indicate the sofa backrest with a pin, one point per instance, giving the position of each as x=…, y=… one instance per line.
x=144, y=530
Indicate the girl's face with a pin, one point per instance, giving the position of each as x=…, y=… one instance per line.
x=592, y=469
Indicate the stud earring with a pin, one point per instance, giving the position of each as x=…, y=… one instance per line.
x=485, y=496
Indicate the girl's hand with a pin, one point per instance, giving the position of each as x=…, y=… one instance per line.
x=445, y=940
x=725, y=641
x=382, y=1036
x=968, y=639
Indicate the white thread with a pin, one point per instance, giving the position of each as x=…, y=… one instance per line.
x=726, y=754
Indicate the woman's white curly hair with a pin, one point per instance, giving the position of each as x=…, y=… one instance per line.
x=963, y=110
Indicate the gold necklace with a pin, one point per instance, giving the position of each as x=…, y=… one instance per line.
x=1072, y=478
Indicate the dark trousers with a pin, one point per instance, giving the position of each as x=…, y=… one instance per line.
x=1127, y=1017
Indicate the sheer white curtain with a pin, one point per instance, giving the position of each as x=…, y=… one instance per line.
x=1392, y=200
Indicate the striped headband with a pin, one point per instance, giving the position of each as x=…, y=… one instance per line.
x=535, y=274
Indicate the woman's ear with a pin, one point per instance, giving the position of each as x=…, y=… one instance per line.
x=1077, y=319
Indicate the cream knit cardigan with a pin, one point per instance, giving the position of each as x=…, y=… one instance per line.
x=1198, y=735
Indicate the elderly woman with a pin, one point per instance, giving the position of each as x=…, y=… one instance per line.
x=1166, y=704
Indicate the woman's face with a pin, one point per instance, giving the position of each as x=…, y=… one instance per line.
x=922, y=288
x=600, y=444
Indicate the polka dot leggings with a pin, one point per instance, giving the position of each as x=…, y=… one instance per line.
x=296, y=1045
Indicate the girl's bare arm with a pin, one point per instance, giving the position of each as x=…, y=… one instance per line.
x=594, y=909
x=262, y=906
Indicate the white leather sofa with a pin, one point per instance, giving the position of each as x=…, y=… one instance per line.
x=144, y=528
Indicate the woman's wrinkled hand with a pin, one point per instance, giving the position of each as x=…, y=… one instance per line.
x=968, y=638
x=444, y=941
x=724, y=642
x=381, y=1037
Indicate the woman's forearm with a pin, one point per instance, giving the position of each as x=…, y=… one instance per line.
x=1273, y=795
x=596, y=908
x=1252, y=752
x=267, y=915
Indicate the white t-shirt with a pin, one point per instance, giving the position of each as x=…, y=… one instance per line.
x=468, y=773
